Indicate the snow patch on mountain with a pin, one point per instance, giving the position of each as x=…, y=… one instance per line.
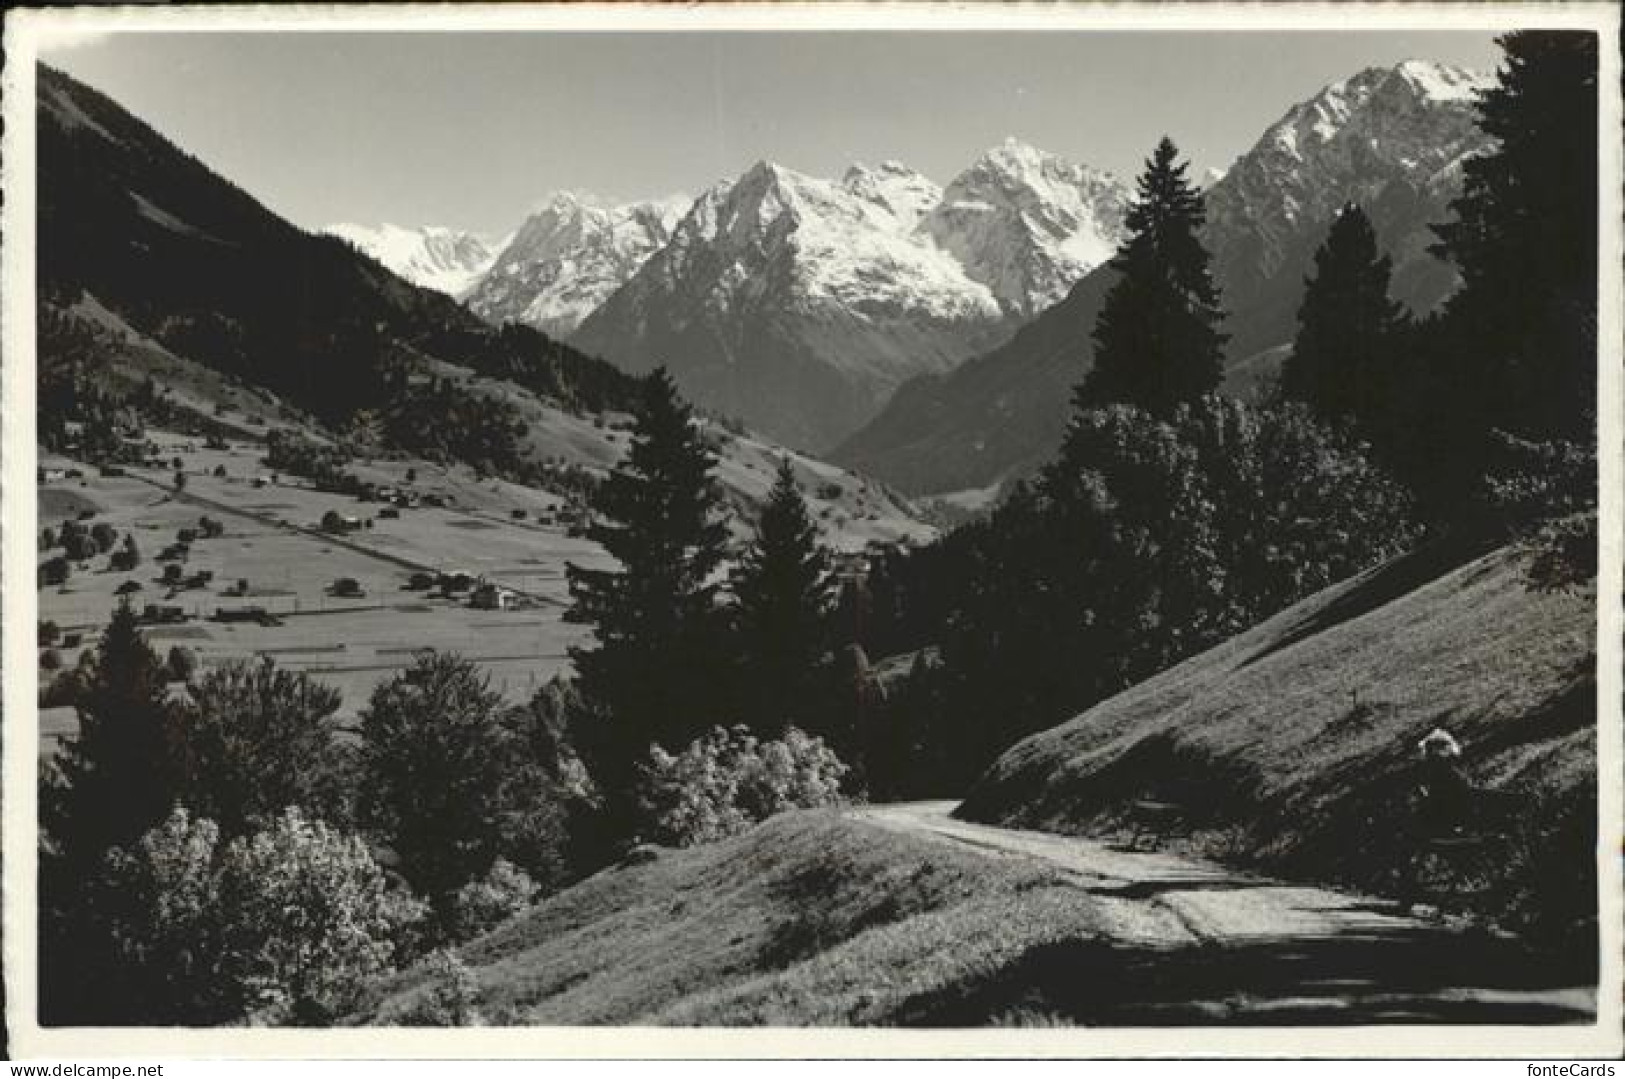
x=446, y=260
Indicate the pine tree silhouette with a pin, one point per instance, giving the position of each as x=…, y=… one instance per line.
x=1340, y=361
x=782, y=589
x=1157, y=340
x=657, y=669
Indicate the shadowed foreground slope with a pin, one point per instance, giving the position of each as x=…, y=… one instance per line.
x=898, y=915
x=1293, y=747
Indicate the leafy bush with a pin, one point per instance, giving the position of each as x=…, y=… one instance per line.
x=308, y=918
x=481, y=905
x=1565, y=553
x=453, y=999
x=283, y=927
x=50, y=660
x=728, y=780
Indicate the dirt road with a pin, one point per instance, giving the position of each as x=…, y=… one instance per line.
x=1188, y=941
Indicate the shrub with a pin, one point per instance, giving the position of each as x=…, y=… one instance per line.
x=50, y=660
x=484, y=904
x=453, y=999
x=727, y=780
x=104, y=536
x=55, y=571
x=49, y=633
x=181, y=664
x=309, y=918
x=1565, y=553
x=284, y=927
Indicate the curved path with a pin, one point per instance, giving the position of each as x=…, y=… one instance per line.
x=1190, y=941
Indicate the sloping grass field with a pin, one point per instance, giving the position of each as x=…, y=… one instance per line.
x=813, y=918
x=1293, y=747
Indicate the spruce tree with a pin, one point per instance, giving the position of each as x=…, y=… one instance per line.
x=1523, y=326
x=118, y=776
x=1347, y=326
x=104, y=788
x=656, y=668
x=782, y=589
x=1157, y=340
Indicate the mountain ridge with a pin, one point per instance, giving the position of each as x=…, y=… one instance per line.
x=1391, y=138
x=801, y=303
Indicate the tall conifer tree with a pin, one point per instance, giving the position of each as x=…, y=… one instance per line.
x=106, y=786
x=1523, y=326
x=1157, y=340
x=118, y=776
x=1340, y=361
x=783, y=593
x=657, y=667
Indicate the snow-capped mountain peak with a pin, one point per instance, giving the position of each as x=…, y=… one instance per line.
x=568, y=256
x=1443, y=82
x=447, y=260
x=1029, y=224
x=899, y=190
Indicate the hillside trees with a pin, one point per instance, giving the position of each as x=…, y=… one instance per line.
x=655, y=668
x=1147, y=541
x=1157, y=339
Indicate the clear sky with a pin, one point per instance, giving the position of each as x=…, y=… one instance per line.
x=472, y=130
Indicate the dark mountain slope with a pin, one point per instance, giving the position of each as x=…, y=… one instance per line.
x=197, y=264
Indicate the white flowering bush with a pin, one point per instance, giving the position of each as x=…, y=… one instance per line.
x=281, y=927
x=727, y=780
x=310, y=917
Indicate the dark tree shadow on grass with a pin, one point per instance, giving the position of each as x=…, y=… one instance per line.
x=1405, y=976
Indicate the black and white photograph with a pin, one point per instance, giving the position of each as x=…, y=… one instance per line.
x=1078, y=527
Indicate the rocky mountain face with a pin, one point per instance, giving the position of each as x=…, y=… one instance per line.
x=446, y=260
x=568, y=257
x=799, y=304
x=1392, y=139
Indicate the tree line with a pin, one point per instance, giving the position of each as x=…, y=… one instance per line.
x=1172, y=518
